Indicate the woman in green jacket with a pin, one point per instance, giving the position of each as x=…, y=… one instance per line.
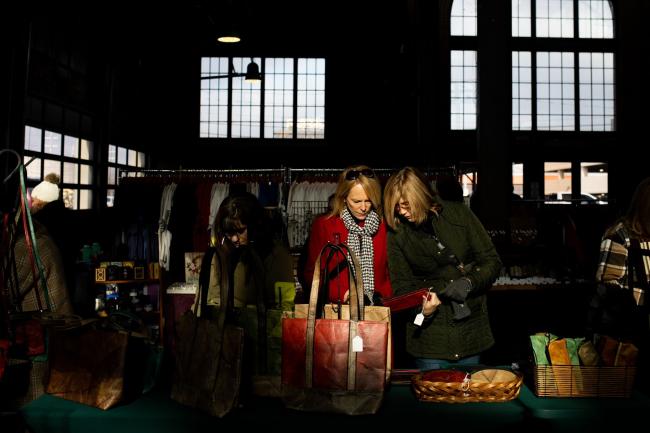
x=441, y=245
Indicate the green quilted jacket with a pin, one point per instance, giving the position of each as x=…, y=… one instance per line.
x=415, y=260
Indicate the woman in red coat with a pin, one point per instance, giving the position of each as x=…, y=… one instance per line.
x=355, y=219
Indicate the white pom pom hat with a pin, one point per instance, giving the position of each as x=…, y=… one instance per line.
x=46, y=191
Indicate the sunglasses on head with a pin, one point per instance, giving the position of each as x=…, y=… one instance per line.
x=354, y=174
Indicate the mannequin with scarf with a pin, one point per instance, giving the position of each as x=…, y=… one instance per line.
x=355, y=219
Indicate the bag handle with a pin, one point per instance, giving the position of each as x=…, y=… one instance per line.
x=358, y=278
x=356, y=283
x=356, y=299
x=225, y=291
x=256, y=275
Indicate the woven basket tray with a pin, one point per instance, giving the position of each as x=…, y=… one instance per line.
x=466, y=392
x=583, y=381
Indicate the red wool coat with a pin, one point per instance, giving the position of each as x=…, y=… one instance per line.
x=324, y=229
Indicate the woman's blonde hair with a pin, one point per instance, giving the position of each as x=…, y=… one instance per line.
x=410, y=185
x=356, y=175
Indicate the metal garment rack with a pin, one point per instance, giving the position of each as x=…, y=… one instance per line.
x=288, y=174
x=125, y=172
x=330, y=172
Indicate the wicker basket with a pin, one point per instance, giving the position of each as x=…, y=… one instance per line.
x=466, y=392
x=583, y=381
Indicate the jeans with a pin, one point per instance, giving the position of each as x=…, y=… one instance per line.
x=435, y=364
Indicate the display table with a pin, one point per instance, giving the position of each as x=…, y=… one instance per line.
x=586, y=414
x=156, y=412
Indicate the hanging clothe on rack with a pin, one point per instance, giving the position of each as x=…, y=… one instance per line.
x=195, y=204
x=164, y=235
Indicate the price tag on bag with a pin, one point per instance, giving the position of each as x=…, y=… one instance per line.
x=357, y=344
x=419, y=319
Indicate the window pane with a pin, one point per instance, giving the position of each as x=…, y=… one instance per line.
x=52, y=143
x=86, y=149
x=121, y=155
x=555, y=91
x=110, y=197
x=33, y=139
x=132, y=158
x=596, y=91
x=554, y=18
x=521, y=90
x=463, y=89
x=245, y=103
x=70, y=198
x=112, y=153
x=34, y=168
x=311, y=125
x=557, y=182
x=518, y=179
x=70, y=172
x=595, y=19
x=463, y=18
x=141, y=160
x=86, y=175
x=278, y=98
x=51, y=166
x=594, y=182
x=70, y=146
x=521, y=18
x=110, y=179
x=85, y=199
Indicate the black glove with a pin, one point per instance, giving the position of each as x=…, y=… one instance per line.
x=457, y=290
x=460, y=310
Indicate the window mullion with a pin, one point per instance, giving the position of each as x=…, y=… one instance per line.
x=262, y=99
x=294, y=132
x=229, y=124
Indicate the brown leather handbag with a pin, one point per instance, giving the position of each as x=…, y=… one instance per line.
x=87, y=365
x=209, y=350
x=331, y=365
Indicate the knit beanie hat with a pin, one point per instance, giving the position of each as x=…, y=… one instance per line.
x=48, y=190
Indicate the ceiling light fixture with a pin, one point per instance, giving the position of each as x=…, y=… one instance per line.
x=229, y=37
x=253, y=73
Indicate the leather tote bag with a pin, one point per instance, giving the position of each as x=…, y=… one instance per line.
x=94, y=366
x=334, y=365
x=209, y=349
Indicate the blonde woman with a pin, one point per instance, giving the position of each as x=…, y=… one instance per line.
x=355, y=219
x=442, y=245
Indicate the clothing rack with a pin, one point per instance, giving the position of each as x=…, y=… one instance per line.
x=430, y=172
x=331, y=172
x=238, y=174
x=286, y=174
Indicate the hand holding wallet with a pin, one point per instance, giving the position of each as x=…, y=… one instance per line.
x=403, y=302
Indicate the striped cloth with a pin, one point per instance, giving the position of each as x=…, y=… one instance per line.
x=34, y=379
x=613, y=264
x=53, y=269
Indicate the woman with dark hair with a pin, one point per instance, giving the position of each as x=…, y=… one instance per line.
x=257, y=258
x=355, y=219
x=623, y=272
x=441, y=245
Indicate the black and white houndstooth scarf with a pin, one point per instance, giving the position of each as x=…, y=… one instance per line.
x=360, y=241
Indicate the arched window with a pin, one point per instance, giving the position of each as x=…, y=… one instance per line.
x=563, y=65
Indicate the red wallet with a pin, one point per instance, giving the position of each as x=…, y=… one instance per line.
x=405, y=301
